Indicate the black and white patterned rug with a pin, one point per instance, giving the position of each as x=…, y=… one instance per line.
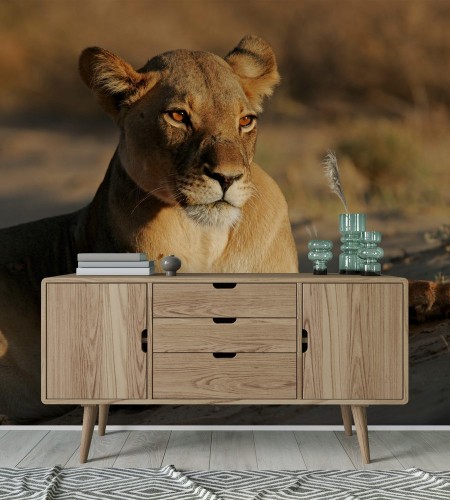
x=169, y=484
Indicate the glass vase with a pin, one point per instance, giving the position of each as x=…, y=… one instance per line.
x=320, y=253
x=370, y=253
x=351, y=226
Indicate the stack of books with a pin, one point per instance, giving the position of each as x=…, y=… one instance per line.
x=120, y=264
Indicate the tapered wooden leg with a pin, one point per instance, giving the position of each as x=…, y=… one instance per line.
x=102, y=419
x=347, y=418
x=89, y=418
x=360, y=418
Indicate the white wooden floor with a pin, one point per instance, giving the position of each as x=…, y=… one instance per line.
x=227, y=450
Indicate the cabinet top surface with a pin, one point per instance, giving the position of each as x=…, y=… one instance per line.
x=227, y=277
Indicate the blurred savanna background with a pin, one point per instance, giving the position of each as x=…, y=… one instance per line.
x=369, y=80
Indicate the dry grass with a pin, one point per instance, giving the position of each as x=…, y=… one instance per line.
x=368, y=79
x=382, y=54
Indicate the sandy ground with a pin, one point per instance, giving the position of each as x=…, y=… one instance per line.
x=49, y=172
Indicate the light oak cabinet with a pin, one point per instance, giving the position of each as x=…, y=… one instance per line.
x=224, y=339
x=355, y=351
x=94, y=341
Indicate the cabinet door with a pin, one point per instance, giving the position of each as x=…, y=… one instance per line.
x=94, y=346
x=355, y=341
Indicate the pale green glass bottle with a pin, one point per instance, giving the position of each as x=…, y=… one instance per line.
x=351, y=226
x=370, y=253
x=320, y=253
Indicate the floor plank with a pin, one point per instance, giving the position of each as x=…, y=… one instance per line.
x=188, y=450
x=381, y=457
x=55, y=448
x=277, y=450
x=201, y=450
x=233, y=450
x=322, y=450
x=440, y=441
x=103, y=452
x=412, y=449
x=15, y=445
x=143, y=450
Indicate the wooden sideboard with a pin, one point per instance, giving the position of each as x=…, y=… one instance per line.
x=225, y=339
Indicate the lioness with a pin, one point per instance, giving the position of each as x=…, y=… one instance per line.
x=182, y=181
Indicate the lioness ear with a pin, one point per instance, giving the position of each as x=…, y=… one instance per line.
x=254, y=62
x=115, y=83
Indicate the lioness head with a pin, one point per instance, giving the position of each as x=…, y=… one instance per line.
x=188, y=122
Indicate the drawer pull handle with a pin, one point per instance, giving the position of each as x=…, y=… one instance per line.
x=304, y=340
x=224, y=285
x=224, y=320
x=144, y=340
x=219, y=355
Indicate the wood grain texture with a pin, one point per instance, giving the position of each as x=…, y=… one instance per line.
x=244, y=335
x=55, y=448
x=44, y=303
x=90, y=413
x=346, y=412
x=428, y=450
x=233, y=450
x=355, y=348
x=263, y=300
x=228, y=278
x=94, y=341
x=188, y=450
x=440, y=441
x=102, y=419
x=299, y=321
x=15, y=445
x=143, y=450
x=357, y=341
x=413, y=449
x=322, y=450
x=103, y=451
x=150, y=341
x=381, y=458
x=360, y=419
x=248, y=375
x=277, y=450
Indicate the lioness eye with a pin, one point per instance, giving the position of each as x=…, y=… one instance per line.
x=246, y=121
x=179, y=116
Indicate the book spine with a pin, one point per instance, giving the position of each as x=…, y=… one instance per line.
x=112, y=257
x=140, y=263
x=115, y=271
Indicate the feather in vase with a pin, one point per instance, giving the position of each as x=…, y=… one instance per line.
x=331, y=169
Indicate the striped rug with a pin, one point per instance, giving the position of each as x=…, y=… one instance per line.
x=169, y=484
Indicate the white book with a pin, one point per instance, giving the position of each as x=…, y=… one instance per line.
x=117, y=271
x=112, y=257
x=138, y=263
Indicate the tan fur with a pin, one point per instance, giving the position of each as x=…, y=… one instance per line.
x=428, y=300
x=160, y=194
x=249, y=233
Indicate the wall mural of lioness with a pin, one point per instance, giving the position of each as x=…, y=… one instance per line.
x=181, y=181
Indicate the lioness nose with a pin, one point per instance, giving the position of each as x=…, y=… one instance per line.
x=225, y=181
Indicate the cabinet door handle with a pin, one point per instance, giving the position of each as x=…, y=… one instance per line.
x=219, y=355
x=304, y=340
x=144, y=340
x=224, y=320
x=224, y=285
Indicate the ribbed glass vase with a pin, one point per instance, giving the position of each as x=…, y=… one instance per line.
x=370, y=253
x=320, y=253
x=351, y=226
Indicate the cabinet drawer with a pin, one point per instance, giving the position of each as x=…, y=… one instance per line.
x=224, y=335
x=202, y=376
x=265, y=300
